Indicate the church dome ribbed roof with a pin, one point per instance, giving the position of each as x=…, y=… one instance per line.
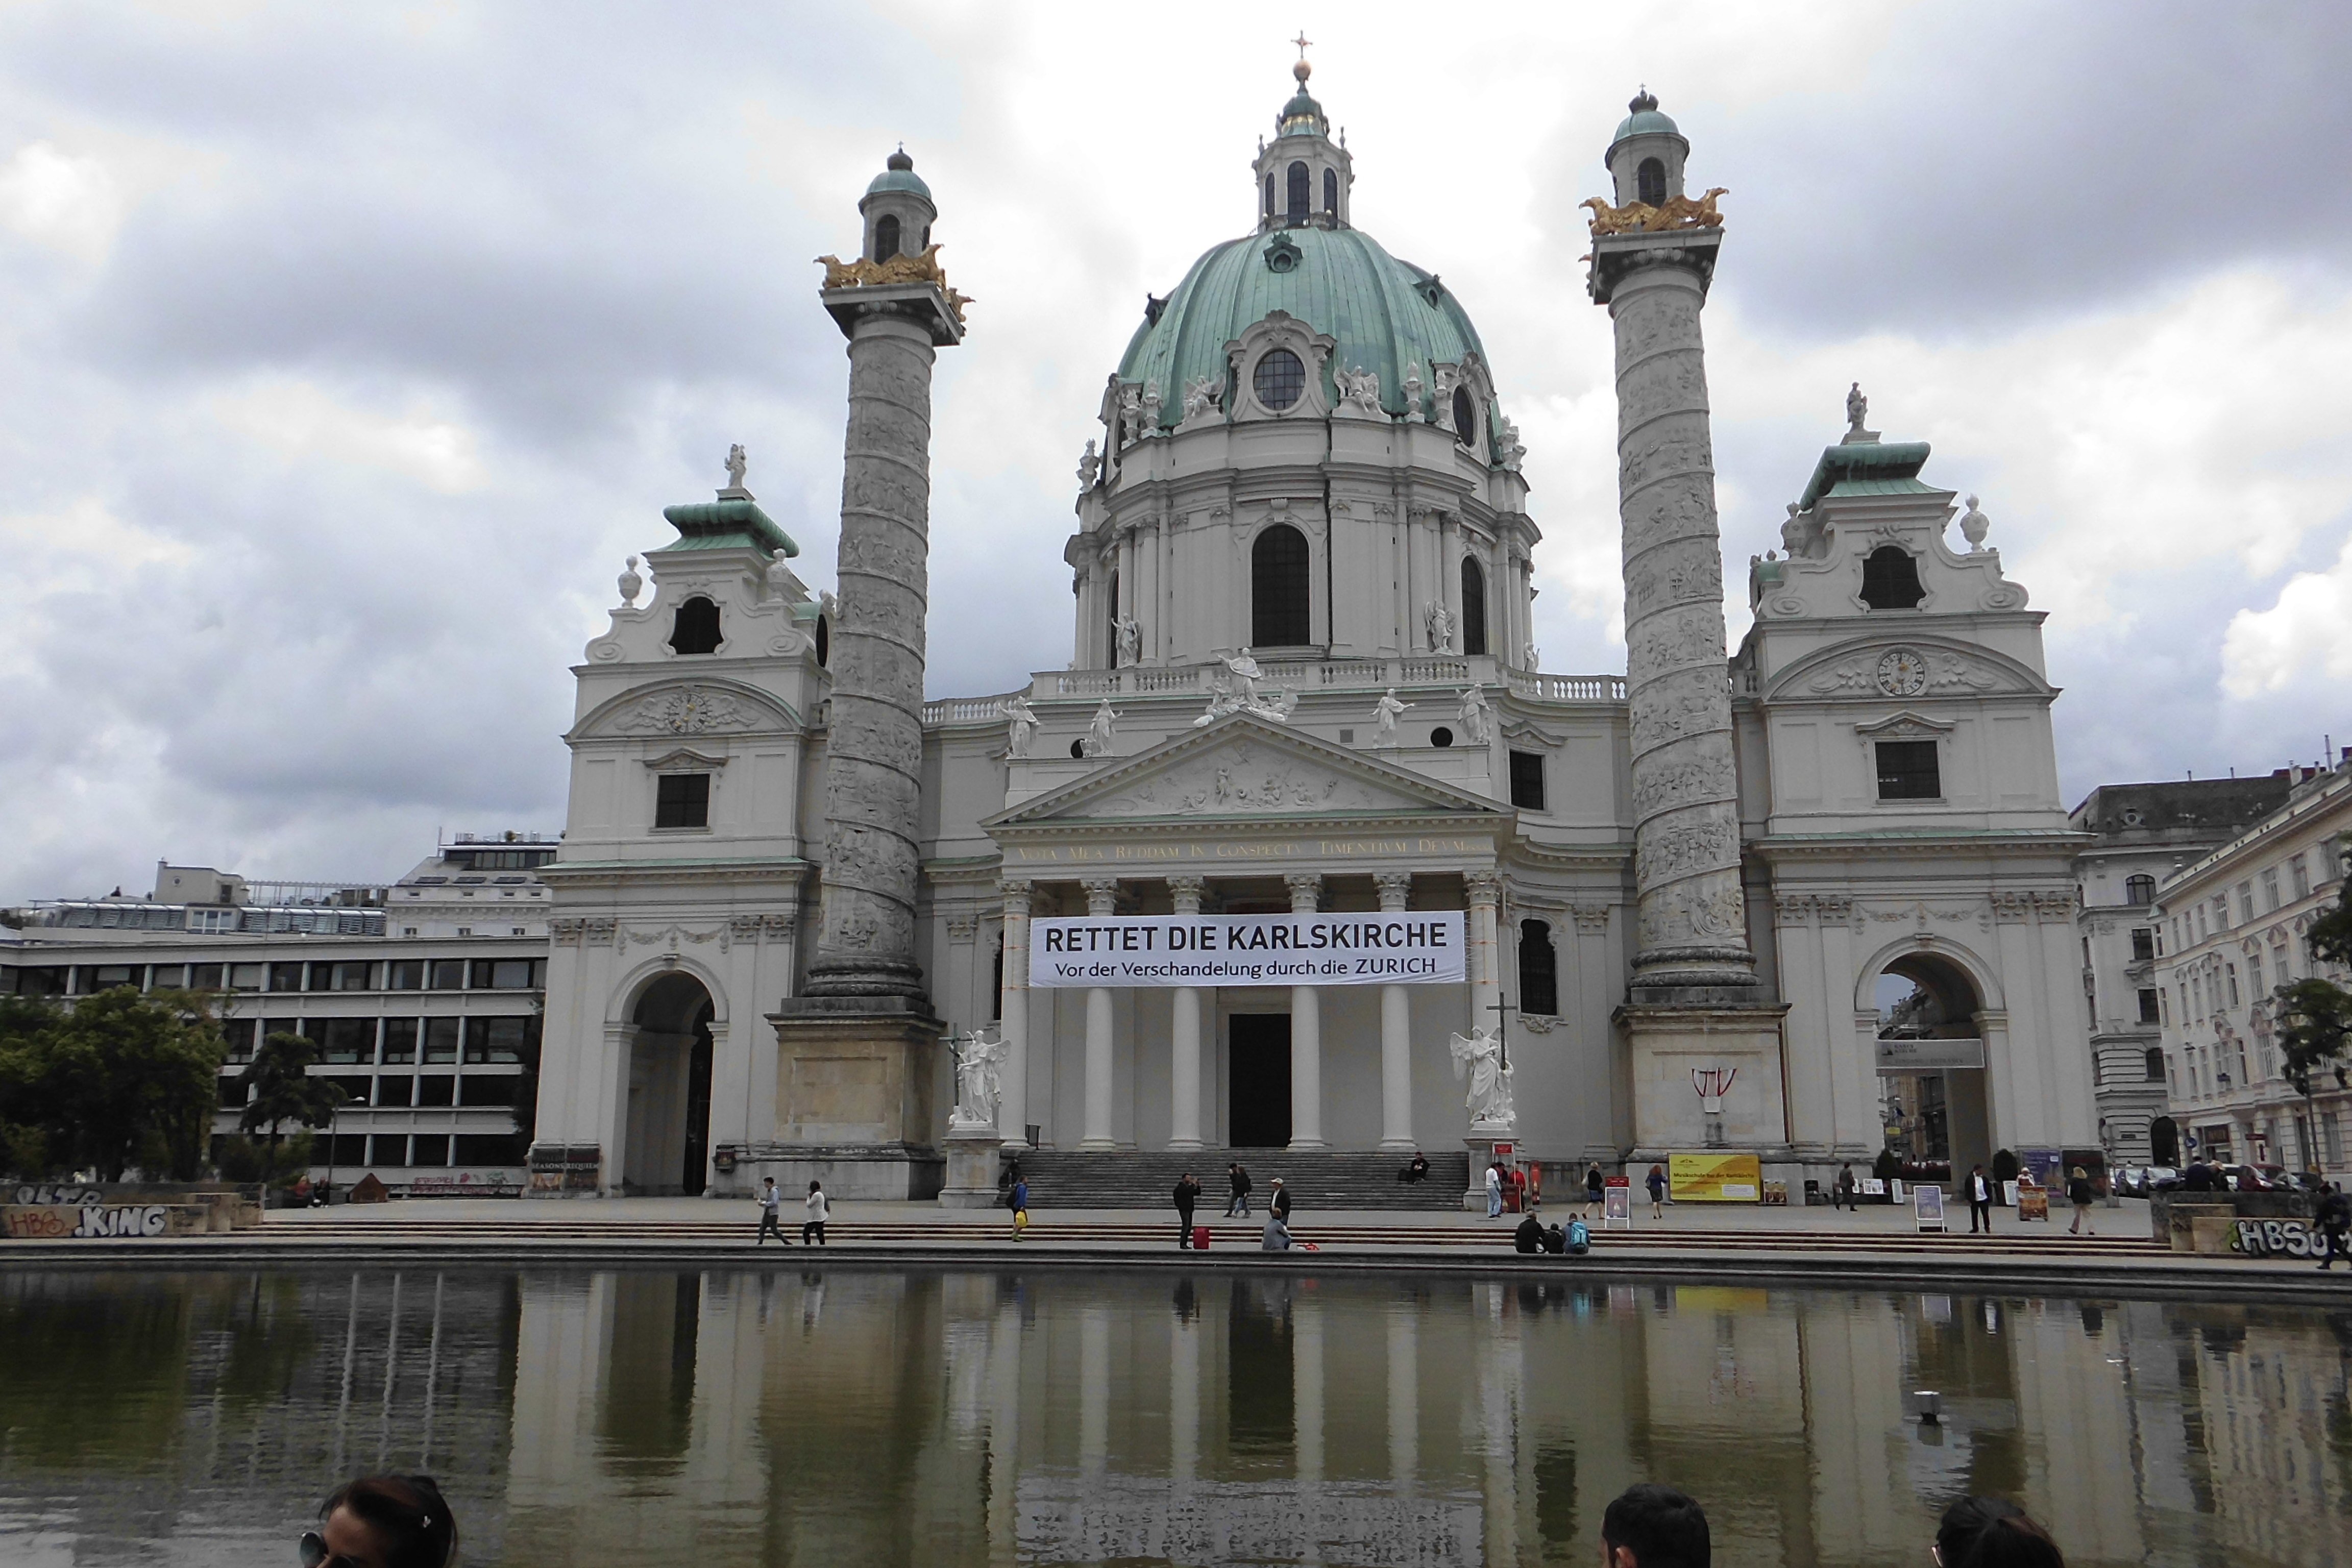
x=1385, y=314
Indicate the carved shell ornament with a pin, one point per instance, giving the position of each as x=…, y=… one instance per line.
x=1902, y=672
x=687, y=712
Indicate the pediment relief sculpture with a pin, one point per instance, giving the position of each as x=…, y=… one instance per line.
x=1242, y=782
x=1912, y=668
x=694, y=710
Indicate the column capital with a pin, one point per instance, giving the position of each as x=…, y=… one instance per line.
x=1483, y=887
x=1305, y=891
x=1186, y=892
x=1395, y=889
x=1102, y=894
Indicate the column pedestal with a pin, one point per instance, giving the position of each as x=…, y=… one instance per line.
x=975, y=1155
x=854, y=1100
x=1664, y=1046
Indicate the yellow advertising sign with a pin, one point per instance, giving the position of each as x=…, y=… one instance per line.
x=1715, y=1178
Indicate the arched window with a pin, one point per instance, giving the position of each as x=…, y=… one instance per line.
x=1279, y=608
x=1890, y=579
x=695, y=629
x=1300, y=201
x=2139, y=890
x=1279, y=379
x=1650, y=182
x=885, y=236
x=1269, y=195
x=1473, y=605
x=1465, y=418
x=1331, y=192
x=823, y=640
x=1539, y=970
x=1110, y=624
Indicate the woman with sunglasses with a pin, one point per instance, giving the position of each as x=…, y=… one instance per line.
x=384, y=1521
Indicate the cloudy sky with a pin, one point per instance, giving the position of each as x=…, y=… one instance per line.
x=345, y=350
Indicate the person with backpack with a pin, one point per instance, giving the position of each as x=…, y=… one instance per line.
x=1019, y=1204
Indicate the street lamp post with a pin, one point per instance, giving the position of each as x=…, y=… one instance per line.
x=334, y=1119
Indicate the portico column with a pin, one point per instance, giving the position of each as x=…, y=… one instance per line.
x=1486, y=889
x=1396, y=1031
x=1185, y=1034
x=1306, y=1032
x=1013, y=1013
x=1102, y=899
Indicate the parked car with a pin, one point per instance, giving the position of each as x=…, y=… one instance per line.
x=2146, y=1181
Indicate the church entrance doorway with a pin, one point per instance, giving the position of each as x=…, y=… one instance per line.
x=668, y=1147
x=1932, y=1066
x=1257, y=1078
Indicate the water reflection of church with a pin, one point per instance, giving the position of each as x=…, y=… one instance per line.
x=1694, y=874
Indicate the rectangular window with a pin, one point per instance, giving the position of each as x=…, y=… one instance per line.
x=400, y=1039
x=2300, y=875
x=441, y=1039
x=351, y=1148
x=490, y=1088
x=432, y=1149
x=388, y=1150
x=2255, y=987
x=2164, y=1005
x=488, y=1149
x=1907, y=771
x=2148, y=1008
x=448, y=974
x=2233, y=984
x=207, y=976
x=504, y=974
x=404, y=974
x=286, y=977
x=349, y=1040
x=2221, y=911
x=353, y=1090
x=682, y=800
x=167, y=977
x=358, y=976
x=239, y=1034
x=1528, y=780
x=232, y=1092
x=395, y=1089
x=2143, y=942
x=2245, y=902
x=2270, y=889
x=500, y=1039
x=436, y=1089
x=245, y=976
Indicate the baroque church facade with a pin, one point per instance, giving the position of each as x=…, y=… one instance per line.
x=1303, y=681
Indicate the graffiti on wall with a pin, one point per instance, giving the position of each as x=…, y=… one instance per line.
x=58, y=1222
x=74, y=1193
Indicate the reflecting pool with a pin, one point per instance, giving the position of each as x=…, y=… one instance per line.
x=857, y=1416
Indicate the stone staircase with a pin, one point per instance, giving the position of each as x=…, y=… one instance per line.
x=1324, y=1179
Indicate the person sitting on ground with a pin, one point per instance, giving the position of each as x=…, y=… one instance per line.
x=1555, y=1240
x=384, y=1521
x=1277, y=1236
x=1651, y=1526
x=2011, y=1540
x=1528, y=1237
x=1417, y=1170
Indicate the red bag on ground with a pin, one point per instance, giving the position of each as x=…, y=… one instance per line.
x=1200, y=1239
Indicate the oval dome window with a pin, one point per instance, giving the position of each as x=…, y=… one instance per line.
x=1279, y=378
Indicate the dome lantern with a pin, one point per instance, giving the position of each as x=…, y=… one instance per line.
x=1645, y=156
x=1302, y=176
x=897, y=210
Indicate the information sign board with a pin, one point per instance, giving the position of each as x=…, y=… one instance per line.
x=1927, y=1206
x=1422, y=948
x=1715, y=1178
x=1616, y=1207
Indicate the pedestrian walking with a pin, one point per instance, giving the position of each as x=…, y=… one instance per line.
x=771, y=1202
x=1656, y=1180
x=819, y=1211
x=1277, y=1202
x=1596, y=1188
x=1651, y=1526
x=1844, y=1193
x=2335, y=1216
x=1188, y=1192
x=1979, y=1191
x=2081, y=1194
x=1018, y=1203
x=1240, y=1180
x=1494, y=1192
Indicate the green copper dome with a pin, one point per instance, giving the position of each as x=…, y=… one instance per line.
x=1645, y=119
x=1386, y=314
x=899, y=176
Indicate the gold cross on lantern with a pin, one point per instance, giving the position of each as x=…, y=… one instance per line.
x=1302, y=41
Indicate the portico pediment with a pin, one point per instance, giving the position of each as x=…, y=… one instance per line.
x=1243, y=769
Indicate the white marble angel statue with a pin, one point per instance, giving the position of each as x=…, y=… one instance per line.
x=978, y=1081
x=1022, y=720
x=1479, y=1053
x=735, y=465
x=1130, y=638
x=1477, y=721
x=1441, y=627
x=1385, y=718
x=1097, y=742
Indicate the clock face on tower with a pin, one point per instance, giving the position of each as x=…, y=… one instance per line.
x=1902, y=672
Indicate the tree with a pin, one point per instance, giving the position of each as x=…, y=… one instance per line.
x=119, y=1078
x=2315, y=1016
x=279, y=1089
